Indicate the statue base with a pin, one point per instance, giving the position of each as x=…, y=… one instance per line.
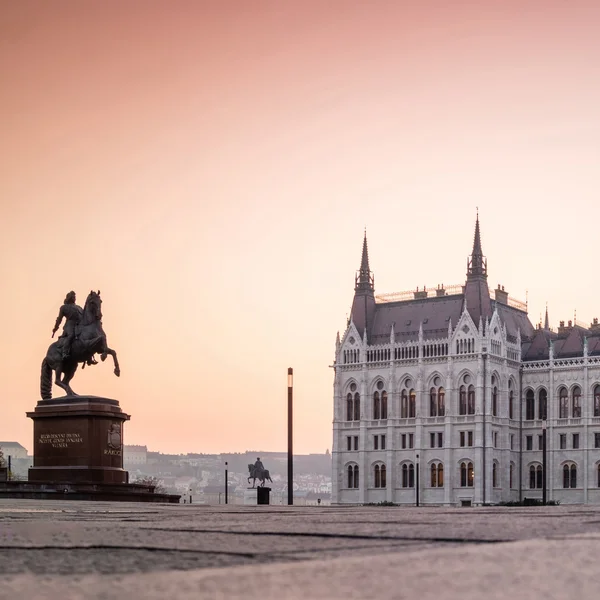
x=258, y=495
x=78, y=439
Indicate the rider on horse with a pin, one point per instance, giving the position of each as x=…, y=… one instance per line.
x=73, y=314
x=258, y=468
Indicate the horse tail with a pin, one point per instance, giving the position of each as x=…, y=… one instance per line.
x=46, y=381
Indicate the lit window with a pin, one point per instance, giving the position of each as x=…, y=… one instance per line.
x=437, y=475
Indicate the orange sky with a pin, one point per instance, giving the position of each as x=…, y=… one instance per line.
x=210, y=167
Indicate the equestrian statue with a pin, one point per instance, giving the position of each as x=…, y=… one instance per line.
x=82, y=337
x=257, y=471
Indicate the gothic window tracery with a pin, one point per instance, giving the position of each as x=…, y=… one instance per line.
x=408, y=475
x=563, y=403
x=570, y=476
x=467, y=476
x=576, y=402
x=352, y=473
x=437, y=474
x=529, y=405
x=379, y=473
x=543, y=404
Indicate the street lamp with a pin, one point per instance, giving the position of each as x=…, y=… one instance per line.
x=226, y=486
x=544, y=461
x=417, y=482
x=290, y=465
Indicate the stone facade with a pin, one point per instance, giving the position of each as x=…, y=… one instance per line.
x=441, y=394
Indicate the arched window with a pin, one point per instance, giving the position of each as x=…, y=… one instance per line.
x=570, y=476
x=495, y=475
x=532, y=477
x=511, y=471
x=377, y=477
x=543, y=404
x=529, y=405
x=535, y=477
x=466, y=474
x=376, y=406
x=412, y=404
x=349, y=408
x=357, y=406
x=597, y=401
x=441, y=402
x=350, y=476
x=404, y=405
x=384, y=405
x=462, y=403
x=408, y=475
x=471, y=400
x=433, y=402
x=356, y=476
x=563, y=403
x=495, y=401
x=511, y=401
x=437, y=475
x=576, y=402
x=598, y=471
x=382, y=475
x=566, y=478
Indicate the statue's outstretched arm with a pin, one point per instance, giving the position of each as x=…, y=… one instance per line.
x=58, y=320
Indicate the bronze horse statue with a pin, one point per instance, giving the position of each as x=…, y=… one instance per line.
x=262, y=476
x=90, y=340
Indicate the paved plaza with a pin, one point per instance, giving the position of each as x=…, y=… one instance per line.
x=68, y=550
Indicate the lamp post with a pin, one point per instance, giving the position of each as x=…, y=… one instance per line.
x=290, y=465
x=544, y=461
x=226, y=486
x=417, y=482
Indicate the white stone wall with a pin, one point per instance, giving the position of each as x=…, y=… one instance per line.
x=451, y=370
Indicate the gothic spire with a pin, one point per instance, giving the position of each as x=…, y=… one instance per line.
x=364, y=277
x=546, y=319
x=477, y=264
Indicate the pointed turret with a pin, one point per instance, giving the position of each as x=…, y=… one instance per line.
x=477, y=263
x=546, y=319
x=477, y=293
x=363, y=306
x=364, y=278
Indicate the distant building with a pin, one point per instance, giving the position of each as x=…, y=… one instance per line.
x=135, y=455
x=13, y=449
x=450, y=389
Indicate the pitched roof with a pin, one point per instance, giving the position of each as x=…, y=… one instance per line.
x=434, y=313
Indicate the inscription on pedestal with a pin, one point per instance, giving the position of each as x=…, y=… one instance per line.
x=60, y=440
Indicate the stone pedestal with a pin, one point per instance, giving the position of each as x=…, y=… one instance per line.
x=264, y=494
x=78, y=440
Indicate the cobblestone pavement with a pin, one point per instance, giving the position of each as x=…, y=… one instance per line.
x=57, y=549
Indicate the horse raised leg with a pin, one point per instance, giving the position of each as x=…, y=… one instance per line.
x=105, y=352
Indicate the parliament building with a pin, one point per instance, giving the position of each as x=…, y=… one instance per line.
x=449, y=396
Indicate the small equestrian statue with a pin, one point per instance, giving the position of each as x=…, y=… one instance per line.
x=257, y=471
x=82, y=337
